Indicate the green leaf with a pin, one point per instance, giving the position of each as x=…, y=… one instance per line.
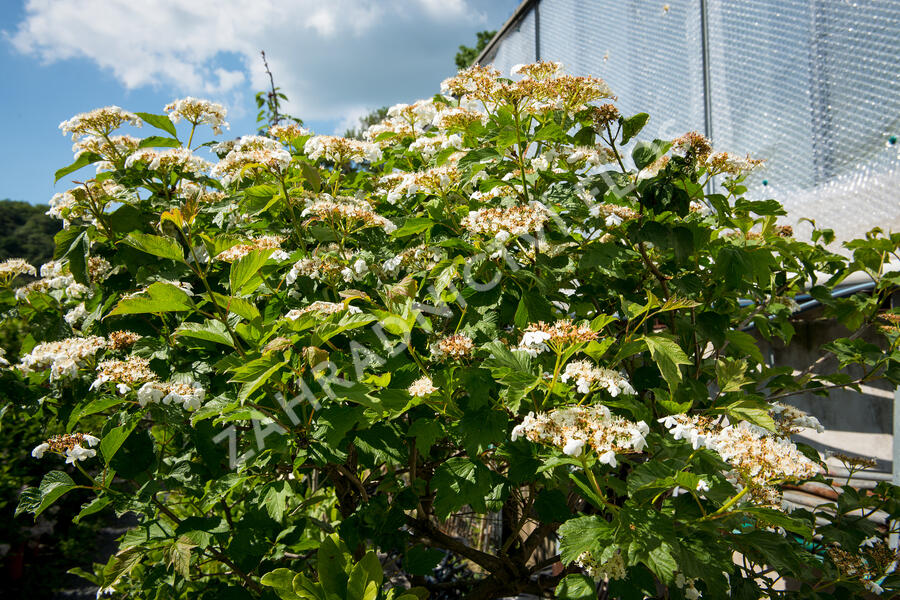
x=457, y=482
x=37, y=500
x=365, y=578
x=646, y=153
x=157, y=298
x=160, y=122
x=668, y=355
x=73, y=245
x=245, y=268
x=632, y=126
x=576, y=587
x=282, y=580
x=482, y=428
x=730, y=374
x=238, y=306
x=156, y=245
x=94, y=506
x=83, y=160
x=412, y=226
x=114, y=438
x=311, y=175
x=157, y=141
x=755, y=411
x=276, y=499
x=421, y=560
x=332, y=565
x=209, y=330
x=745, y=344
x=584, y=534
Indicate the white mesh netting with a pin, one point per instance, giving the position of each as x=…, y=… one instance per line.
x=809, y=85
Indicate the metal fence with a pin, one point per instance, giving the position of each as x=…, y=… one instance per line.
x=809, y=85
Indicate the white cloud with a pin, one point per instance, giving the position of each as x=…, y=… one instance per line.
x=331, y=59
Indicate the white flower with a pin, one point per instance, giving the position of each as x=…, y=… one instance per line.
x=78, y=453
x=422, y=387
x=573, y=447
x=90, y=440
x=608, y=458
x=702, y=486
x=39, y=450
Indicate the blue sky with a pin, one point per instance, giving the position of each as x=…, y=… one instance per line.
x=335, y=59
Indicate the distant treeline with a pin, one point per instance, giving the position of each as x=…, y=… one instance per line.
x=26, y=232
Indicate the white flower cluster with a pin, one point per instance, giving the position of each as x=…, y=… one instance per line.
x=266, y=242
x=504, y=223
x=286, y=133
x=422, y=387
x=340, y=150
x=754, y=452
x=791, y=419
x=539, y=70
x=579, y=157
x=612, y=214
x=70, y=445
x=197, y=111
x=572, y=428
x=249, y=153
x=688, y=585
x=113, y=148
x=436, y=181
x=458, y=118
x=541, y=337
x=63, y=357
x=99, y=122
x=54, y=278
x=126, y=373
x=76, y=315
x=357, y=214
x=420, y=114
x=586, y=376
x=327, y=268
x=322, y=308
x=166, y=160
x=421, y=257
x=457, y=346
x=428, y=146
x=13, y=267
x=189, y=395
x=612, y=569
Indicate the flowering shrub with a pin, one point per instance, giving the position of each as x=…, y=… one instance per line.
x=294, y=364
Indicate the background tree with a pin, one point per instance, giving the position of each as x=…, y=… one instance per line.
x=26, y=231
x=466, y=55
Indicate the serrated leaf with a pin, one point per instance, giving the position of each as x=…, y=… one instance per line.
x=632, y=126
x=158, y=141
x=576, y=587
x=159, y=121
x=209, y=330
x=412, y=226
x=245, y=268
x=668, y=355
x=37, y=500
x=730, y=374
x=94, y=506
x=283, y=582
x=114, y=438
x=156, y=245
x=157, y=298
x=646, y=153
x=238, y=306
x=83, y=160
x=584, y=534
